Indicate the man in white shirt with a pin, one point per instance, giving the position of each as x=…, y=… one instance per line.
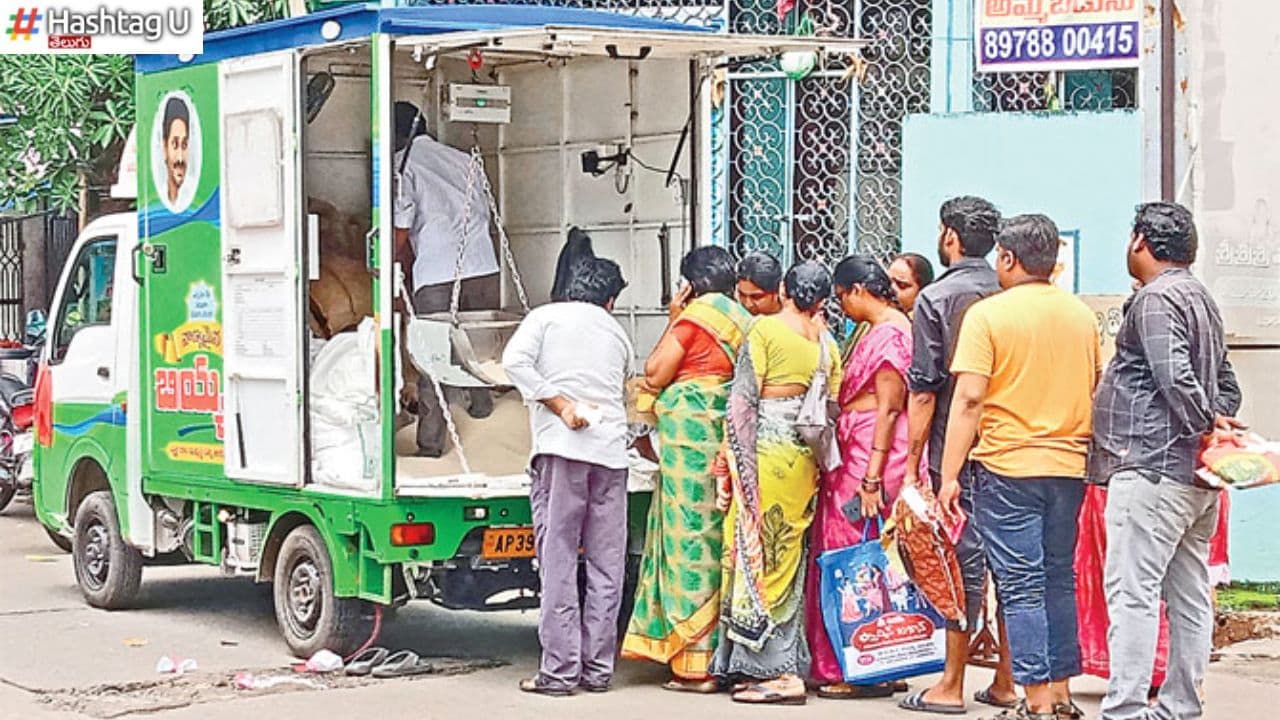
x=570, y=361
x=435, y=225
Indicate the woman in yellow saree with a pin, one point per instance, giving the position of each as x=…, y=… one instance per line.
x=769, y=490
x=677, y=605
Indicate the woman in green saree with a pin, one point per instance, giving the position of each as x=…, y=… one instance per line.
x=677, y=604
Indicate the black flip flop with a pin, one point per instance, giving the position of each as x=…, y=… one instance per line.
x=915, y=702
x=986, y=698
x=405, y=663
x=364, y=663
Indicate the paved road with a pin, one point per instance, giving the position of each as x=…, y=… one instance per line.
x=61, y=659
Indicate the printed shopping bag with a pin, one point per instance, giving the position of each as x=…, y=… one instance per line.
x=880, y=625
x=1242, y=460
x=918, y=532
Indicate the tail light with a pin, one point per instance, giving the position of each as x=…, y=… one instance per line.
x=413, y=534
x=23, y=415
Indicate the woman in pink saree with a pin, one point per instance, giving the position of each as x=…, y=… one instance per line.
x=872, y=430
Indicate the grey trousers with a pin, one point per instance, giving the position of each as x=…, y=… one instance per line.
x=478, y=293
x=578, y=505
x=1158, y=534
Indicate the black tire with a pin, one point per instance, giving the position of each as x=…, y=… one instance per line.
x=310, y=616
x=108, y=570
x=63, y=543
x=7, y=491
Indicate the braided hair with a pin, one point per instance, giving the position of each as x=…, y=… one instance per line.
x=865, y=271
x=808, y=285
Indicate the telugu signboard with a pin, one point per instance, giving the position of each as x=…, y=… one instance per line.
x=1038, y=35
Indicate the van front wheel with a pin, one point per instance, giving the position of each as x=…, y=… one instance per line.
x=310, y=615
x=108, y=570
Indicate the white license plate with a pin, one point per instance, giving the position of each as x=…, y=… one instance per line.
x=22, y=444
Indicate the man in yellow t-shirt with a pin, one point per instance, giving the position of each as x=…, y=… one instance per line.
x=1026, y=365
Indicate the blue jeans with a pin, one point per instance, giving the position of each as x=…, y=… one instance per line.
x=969, y=553
x=1028, y=526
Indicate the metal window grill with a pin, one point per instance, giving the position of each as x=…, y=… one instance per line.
x=1056, y=91
x=815, y=165
x=11, y=310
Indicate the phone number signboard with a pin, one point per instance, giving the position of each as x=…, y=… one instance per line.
x=1039, y=35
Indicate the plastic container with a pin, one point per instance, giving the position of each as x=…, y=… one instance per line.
x=14, y=361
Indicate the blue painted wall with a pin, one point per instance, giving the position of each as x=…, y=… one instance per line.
x=1084, y=170
x=1253, y=549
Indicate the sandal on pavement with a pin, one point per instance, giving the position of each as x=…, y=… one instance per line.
x=1068, y=711
x=364, y=663
x=699, y=687
x=845, y=691
x=987, y=698
x=765, y=695
x=405, y=663
x=1022, y=713
x=531, y=685
x=916, y=703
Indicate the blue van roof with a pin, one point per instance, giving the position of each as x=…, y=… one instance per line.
x=362, y=20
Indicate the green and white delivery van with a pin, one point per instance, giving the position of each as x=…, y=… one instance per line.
x=180, y=415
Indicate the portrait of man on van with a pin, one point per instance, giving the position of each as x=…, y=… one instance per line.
x=176, y=158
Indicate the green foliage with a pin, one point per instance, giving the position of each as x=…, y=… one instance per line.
x=223, y=14
x=74, y=112
x=1250, y=596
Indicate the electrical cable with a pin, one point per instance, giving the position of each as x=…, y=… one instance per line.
x=681, y=184
x=373, y=636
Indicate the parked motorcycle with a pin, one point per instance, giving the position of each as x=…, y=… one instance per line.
x=18, y=366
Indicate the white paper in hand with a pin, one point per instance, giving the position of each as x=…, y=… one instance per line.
x=593, y=414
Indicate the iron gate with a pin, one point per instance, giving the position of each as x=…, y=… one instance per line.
x=11, y=310
x=56, y=235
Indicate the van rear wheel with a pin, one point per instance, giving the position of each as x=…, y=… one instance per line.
x=310, y=615
x=108, y=570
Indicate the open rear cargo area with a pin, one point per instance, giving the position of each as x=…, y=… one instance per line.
x=559, y=109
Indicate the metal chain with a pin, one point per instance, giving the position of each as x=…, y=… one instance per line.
x=476, y=169
x=455, y=299
x=503, y=241
x=435, y=383
x=450, y=424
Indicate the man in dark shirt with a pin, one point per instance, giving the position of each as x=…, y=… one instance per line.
x=1168, y=386
x=966, y=235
